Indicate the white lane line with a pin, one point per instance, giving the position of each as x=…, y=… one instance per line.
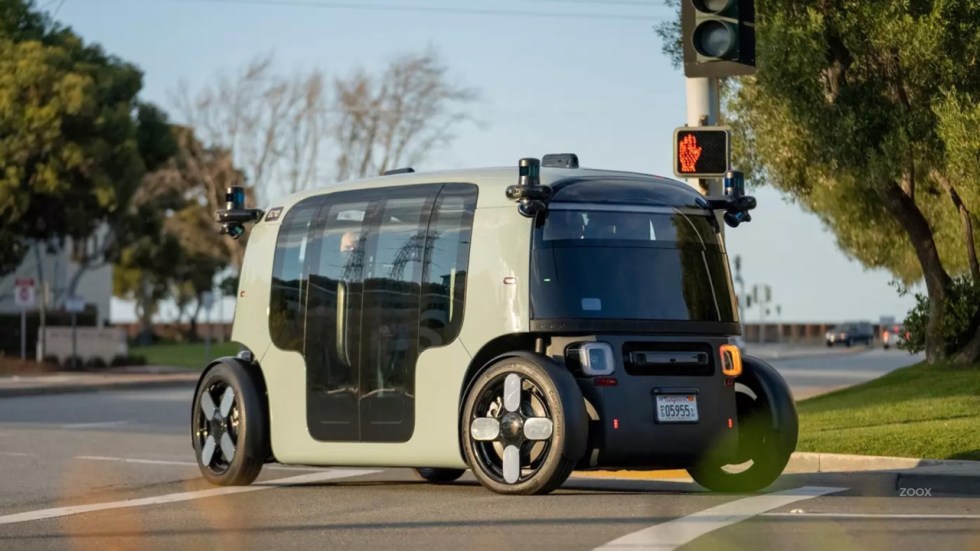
x=182, y=463
x=100, y=425
x=56, y=512
x=874, y=516
x=680, y=531
x=18, y=454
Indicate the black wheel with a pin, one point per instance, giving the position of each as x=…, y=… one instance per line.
x=763, y=449
x=439, y=476
x=524, y=426
x=848, y=343
x=229, y=426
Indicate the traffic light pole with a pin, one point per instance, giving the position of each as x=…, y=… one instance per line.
x=704, y=109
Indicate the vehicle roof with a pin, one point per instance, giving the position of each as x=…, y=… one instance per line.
x=492, y=181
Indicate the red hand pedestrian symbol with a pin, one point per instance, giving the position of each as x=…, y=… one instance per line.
x=689, y=153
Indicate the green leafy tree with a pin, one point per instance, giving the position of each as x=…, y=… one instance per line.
x=185, y=191
x=865, y=113
x=75, y=140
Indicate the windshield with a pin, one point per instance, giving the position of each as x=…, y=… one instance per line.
x=630, y=263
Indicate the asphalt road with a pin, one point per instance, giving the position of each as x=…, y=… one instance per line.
x=820, y=373
x=125, y=459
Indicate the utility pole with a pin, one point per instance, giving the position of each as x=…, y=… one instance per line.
x=703, y=109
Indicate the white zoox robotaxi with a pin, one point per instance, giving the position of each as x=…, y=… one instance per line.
x=521, y=322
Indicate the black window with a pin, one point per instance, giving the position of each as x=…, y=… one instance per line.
x=390, y=309
x=287, y=302
x=630, y=262
x=447, y=253
x=334, y=318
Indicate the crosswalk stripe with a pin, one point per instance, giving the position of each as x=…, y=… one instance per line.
x=56, y=512
x=672, y=534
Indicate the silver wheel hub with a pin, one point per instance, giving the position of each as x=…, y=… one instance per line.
x=514, y=429
x=218, y=428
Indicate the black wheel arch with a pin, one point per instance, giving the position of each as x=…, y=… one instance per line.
x=760, y=376
x=254, y=373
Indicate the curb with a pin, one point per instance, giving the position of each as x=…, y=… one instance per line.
x=818, y=462
x=42, y=390
x=902, y=474
x=898, y=476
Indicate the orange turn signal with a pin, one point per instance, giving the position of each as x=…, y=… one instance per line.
x=731, y=360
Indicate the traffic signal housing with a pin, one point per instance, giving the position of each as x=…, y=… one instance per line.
x=718, y=37
x=702, y=151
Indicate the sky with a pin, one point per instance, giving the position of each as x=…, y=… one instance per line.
x=550, y=81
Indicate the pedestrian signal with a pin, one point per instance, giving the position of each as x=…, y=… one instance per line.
x=702, y=152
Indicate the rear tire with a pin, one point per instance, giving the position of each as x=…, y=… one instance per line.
x=768, y=447
x=439, y=476
x=524, y=425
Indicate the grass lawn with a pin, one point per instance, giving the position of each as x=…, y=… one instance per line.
x=189, y=355
x=928, y=411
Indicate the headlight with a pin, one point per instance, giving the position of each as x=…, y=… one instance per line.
x=596, y=358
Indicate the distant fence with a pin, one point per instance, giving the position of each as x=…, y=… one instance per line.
x=794, y=333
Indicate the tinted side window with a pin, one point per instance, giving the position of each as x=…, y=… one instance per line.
x=334, y=318
x=447, y=254
x=287, y=301
x=389, y=342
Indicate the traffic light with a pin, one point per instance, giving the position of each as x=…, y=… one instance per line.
x=719, y=37
x=701, y=151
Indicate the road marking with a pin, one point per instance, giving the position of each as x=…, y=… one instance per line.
x=56, y=512
x=100, y=425
x=182, y=463
x=18, y=454
x=873, y=516
x=680, y=531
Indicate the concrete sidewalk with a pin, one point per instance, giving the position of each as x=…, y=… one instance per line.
x=115, y=378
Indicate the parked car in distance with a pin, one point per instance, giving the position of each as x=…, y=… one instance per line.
x=893, y=335
x=850, y=333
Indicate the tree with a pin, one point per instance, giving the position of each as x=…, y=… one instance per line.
x=148, y=267
x=273, y=125
x=861, y=111
x=396, y=118
x=283, y=130
x=187, y=189
x=74, y=139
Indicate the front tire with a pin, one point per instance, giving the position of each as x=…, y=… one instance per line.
x=524, y=425
x=439, y=476
x=228, y=426
x=761, y=396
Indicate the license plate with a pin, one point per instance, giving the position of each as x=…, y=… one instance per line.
x=677, y=408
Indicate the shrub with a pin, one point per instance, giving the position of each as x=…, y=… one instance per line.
x=962, y=314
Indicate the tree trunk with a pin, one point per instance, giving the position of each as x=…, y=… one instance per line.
x=192, y=335
x=966, y=218
x=145, y=307
x=937, y=280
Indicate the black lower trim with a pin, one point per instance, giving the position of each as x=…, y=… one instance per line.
x=635, y=327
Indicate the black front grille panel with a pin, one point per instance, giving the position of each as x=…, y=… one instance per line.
x=676, y=359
